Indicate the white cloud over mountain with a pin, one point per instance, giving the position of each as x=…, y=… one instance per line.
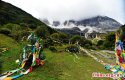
x=72, y=9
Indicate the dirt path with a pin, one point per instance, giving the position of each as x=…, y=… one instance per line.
x=100, y=56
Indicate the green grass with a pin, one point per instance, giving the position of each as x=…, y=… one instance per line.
x=7, y=42
x=8, y=58
x=59, y=66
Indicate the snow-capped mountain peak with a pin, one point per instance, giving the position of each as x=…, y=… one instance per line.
x=100, y=24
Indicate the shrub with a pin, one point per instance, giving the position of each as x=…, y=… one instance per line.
x=48, y=42
x=60, y=37
x=109, y=41
x=55, y=36
x=42, y=31
x=100, y=42
x=13, y=27
x=122, y=33
x=72, y=48
x=32, y=26
x=75, y=39
x=53, y=49
x=20, y=35
x=5, y=31
x=85, y=43
x=64, y=37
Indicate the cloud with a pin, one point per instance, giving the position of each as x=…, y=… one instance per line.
x=72, y=9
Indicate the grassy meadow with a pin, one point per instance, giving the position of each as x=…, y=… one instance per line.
x=59, y=65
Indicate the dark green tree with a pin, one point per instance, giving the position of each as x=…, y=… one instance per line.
x=85, y=43
x=122, y=33
x=100, y=42
x=109, y=42
x=42, y=31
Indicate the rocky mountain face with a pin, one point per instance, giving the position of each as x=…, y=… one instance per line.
x=56, y=23
x=71, y=31
x=99, y=24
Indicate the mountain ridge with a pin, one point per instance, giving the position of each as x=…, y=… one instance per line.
x=100, y=24
x=12, y=14
x=12, y=17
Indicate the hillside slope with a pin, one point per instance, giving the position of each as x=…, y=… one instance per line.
x=12, y=14
x=12, y=53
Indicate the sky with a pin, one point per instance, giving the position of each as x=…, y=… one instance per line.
x=72, y=9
